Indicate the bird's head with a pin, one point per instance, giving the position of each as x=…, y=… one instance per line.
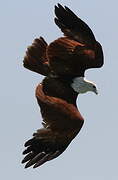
x=81, y=85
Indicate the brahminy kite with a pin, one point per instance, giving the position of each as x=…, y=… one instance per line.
x=63, y=62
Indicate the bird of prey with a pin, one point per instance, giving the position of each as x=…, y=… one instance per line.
x=63, y=62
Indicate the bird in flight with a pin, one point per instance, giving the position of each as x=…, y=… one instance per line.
x=63, y=63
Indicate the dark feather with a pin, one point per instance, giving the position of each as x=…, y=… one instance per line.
x=62, y=123
x=61, y=61
x=68, y=57
x=35, y=59
x=73, y=26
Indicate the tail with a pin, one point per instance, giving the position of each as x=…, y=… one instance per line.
x=35, y=58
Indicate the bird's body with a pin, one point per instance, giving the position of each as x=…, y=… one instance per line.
x=63, y=62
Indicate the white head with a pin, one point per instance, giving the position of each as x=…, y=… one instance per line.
x=81, y=85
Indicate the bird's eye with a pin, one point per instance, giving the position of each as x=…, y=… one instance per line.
x=94, y=87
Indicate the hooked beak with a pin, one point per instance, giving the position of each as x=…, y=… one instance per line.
x=96, y=91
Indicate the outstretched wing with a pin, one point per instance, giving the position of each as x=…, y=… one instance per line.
x=35, y=59
x=62, y=122
x=78, y=51
x=72, y=26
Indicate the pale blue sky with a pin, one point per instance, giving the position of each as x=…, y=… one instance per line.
x=93, y=155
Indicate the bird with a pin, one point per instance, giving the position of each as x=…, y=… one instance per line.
x=63, y=64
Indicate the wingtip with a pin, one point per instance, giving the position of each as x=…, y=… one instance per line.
x=23, y=161
x=66, y=8
x=41, y=38
x=59, y=5
x=26, y=166
x=56, y=8
x=29, y=142
x=29, y=164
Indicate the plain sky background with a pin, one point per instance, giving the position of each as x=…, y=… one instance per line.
x=93, y=154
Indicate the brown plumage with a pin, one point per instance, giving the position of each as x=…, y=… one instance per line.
x=35, y=59
x=61, y=123
x=60, y=61
x=72, y=26
x=71, y=58
x=70, y=55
